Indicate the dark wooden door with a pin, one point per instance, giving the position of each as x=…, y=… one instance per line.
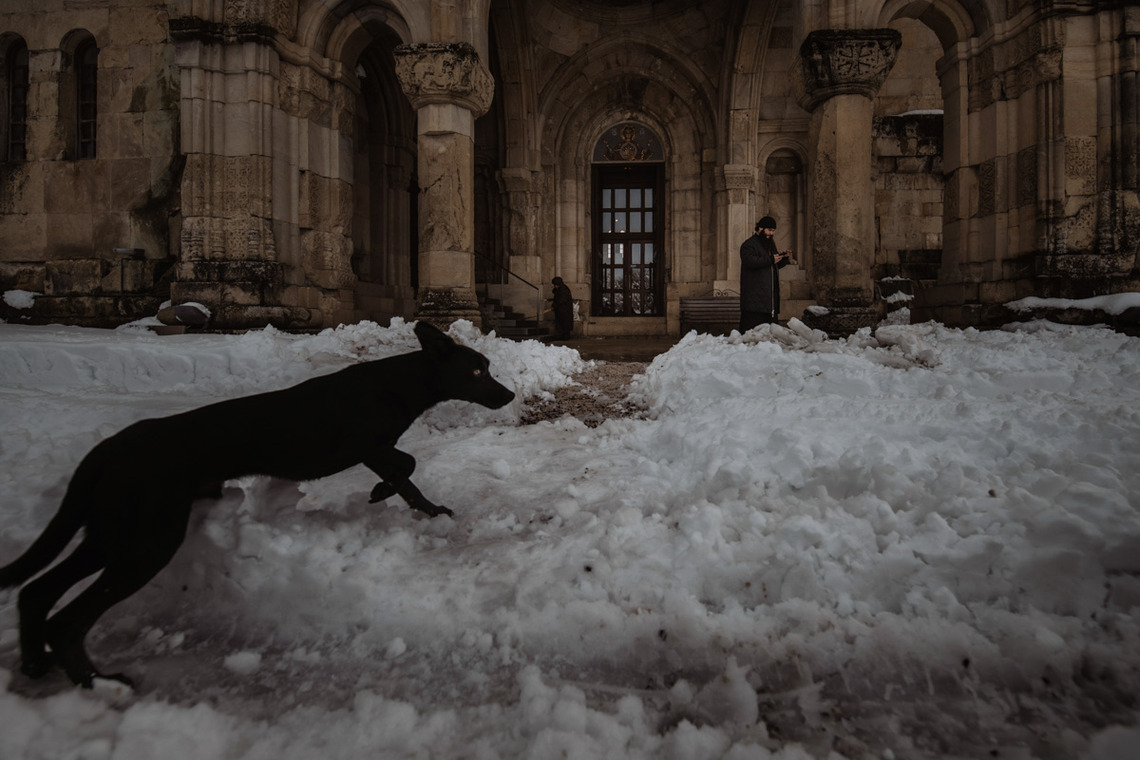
x=628, y=232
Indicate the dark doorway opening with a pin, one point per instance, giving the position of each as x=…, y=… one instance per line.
x=628, y=229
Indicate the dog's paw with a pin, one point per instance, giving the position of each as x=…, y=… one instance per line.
x=37, y=667
x=432, y=510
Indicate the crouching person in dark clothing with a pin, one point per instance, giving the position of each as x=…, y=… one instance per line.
x=760, y=265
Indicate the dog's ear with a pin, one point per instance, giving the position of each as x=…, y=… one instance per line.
x=432, y=339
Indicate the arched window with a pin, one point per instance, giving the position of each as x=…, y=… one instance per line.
x=78, y=96
x=86, y=102
x=15, y=88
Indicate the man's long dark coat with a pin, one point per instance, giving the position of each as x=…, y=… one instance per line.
x=760, y=276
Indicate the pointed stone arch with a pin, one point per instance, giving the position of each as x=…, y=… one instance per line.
x=369, y=188
x=639, y=82
x=741, y=184
x=745, y=75
x=340, y=31
x=954, y=23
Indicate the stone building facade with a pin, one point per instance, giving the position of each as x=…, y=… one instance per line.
x=304, y=163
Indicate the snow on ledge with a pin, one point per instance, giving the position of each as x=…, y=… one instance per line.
x=1115, y=304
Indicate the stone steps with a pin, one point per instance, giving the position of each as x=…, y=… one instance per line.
x=508, y=323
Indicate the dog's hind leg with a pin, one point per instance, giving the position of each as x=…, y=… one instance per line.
x=37, y=598
x=68, y=628
x=395, y=467
x=136, y=559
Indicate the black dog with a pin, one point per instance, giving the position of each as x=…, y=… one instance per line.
x=134, y=499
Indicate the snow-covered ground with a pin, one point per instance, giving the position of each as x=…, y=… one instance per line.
x=915, y=543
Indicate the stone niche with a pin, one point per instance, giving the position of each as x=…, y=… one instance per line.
x=909, y=191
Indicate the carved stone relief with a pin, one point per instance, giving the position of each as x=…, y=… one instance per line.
x=1027, y=176
x=834, y=62
x=444, y=73
x=1080, y=165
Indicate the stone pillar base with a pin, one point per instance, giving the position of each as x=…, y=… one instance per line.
x=840, y=322
x=442, y=306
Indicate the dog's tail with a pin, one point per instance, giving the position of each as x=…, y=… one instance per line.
x=55, y=538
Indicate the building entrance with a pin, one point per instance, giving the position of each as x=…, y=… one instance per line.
x=628, y=238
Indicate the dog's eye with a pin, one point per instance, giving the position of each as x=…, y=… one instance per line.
x=477, y=372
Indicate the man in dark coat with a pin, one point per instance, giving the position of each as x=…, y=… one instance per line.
x=760, y=265
x=563, y=310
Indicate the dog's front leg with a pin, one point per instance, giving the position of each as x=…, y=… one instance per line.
x=416, y=500
x=395, y=469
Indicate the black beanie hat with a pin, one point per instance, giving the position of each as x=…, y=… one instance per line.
x=766, y=223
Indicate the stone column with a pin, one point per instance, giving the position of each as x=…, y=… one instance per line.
x=228, y=251
x=449, y=88
x=739, y=186
x=838, y=73
x=1127, y=147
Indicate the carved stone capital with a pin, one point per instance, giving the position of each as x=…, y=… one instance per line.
x=739, y=176
x=448, y=73
x=844, y=61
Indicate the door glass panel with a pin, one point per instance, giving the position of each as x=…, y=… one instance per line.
x=627, y=240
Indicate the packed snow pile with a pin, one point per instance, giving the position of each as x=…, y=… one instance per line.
x=914, y=543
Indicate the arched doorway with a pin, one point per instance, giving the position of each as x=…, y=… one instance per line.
x=628, y=223
x=384, y=230
x=908, y=152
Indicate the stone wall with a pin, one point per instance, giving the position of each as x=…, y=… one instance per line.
x=909, y=189
x=1037, y=202
x=93, y=236
x=306, y=163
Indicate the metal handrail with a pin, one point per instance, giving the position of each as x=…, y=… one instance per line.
x=509, y=273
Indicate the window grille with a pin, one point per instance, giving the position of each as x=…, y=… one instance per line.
x=17, y=132
x=86, y=71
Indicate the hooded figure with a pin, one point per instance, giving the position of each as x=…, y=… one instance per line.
x=760, y=264
x=563, y=310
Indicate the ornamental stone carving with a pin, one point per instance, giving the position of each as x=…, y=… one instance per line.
x=739, y=181
x=447, y=73
x=739, y=177
x=844, y=61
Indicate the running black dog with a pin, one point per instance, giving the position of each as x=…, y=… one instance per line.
x=133, y=498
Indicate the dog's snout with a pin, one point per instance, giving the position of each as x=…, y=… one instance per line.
x=502, y=397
